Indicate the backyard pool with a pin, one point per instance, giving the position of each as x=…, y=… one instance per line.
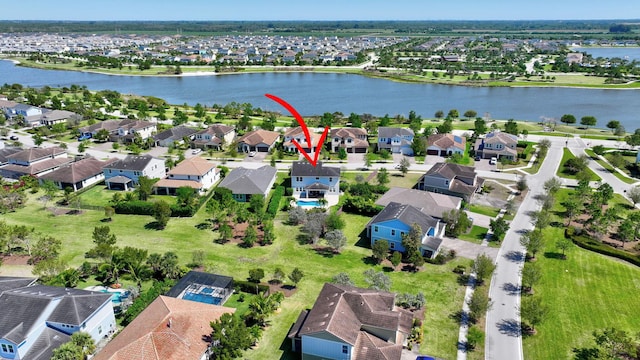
x=308, y=203
x=116, y=296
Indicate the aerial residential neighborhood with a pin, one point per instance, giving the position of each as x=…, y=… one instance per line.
x=138, y=227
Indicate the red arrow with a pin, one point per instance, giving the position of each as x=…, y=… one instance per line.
x=305, y=129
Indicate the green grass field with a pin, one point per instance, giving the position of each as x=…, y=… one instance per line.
x=182, y=236
x=475, y=235
x=586, y=292
x=566, y=155
x=484, y=210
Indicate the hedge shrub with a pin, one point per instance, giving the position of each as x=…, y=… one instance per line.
x=250, y=287
x=135, y=207
x=596, y=246
x=274, y=203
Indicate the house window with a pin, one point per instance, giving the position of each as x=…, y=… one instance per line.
x=345, y=349
x=401, y=233
x=392, y=245
x=4, y=348
x=100, y=329
x=375, y=229
x=10, y=347
x=298, y=178
x=393, y=232
x=317, y=178
x=330, y=179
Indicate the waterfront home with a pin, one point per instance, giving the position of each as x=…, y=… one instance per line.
x=445, y=144
x=79, y=174
x=216, y=136
x=497, y=144
x=353, y=140
x=298, y=135
x=258, y=140
x=175, y=135
x=396, y=140
x=315, y=182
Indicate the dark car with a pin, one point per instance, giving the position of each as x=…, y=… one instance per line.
x=13, y=137
x=477, y=158
x=424, y=357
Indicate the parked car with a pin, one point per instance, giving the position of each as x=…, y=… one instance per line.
x=84, y=137
x=252, y=154
x=196, y=151
x=423, y=357
x=493, y=161
x=477, y=157
x=13, y=137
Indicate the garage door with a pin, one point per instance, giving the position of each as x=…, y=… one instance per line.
x=361, y=150
x=262, y=149
x=433, y=152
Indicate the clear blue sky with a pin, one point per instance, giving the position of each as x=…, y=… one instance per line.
x=317, y=9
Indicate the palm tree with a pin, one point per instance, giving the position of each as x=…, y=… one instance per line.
x=84, y=342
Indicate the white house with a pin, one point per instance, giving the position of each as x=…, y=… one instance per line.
x=195, y=172
x=319, y=181
x=396, y=140
x=297, y=134
x=79, y=174
x=38, y=318
x=216, y=136
x=123, y=174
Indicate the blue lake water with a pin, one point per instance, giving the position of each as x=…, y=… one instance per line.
x=315, y=93
x=629, y=53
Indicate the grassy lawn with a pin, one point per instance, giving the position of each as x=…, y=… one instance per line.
x=566, y=155
x=99, y=195
x=183, y=236
x=475, y=235
x=584, y=293
x=484, y=210
x=611, y=169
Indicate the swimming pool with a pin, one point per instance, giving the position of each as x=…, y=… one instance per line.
x=116, y=296
x=203, y=298
x=308, y=203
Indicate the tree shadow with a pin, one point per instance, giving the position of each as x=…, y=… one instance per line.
x=509, y=327
x=463, y=279
x=154, y=225
x=203, y=226
x=457, y=316
x=370, y=260
x=387, y=269
x=285, y=347
x=557, y=224
x=554, y=255
x=511, y=288
x=302, y=239
x=514, y=256
x=325, y=251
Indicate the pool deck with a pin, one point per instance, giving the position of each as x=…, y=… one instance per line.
x=105, y=288
x=331, y=201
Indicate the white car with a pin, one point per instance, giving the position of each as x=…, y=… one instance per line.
x=252, y=154
x=493, y=161
x=196, y=151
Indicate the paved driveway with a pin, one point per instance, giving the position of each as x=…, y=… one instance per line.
x=468, y=249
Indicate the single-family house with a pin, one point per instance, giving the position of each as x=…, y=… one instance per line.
x=445, y=144
x=574, y=58
x=244, y=182
x=128, y=129
x=395, y=140
x=353, y=140
x=124, y=173
x=430, y=203
x=34, y=161
x=38, y=318
x=203, y=287
x=23, y=110
x=297, y=134
x=6, y=152
x=52, y=117
x=318, y=181
x=174, y=135
x=195, y=172
x=90, y=131
x=351, y=323
x=258, y=140
x=451, y=179
x=216, y=136
x=168, y=329
x=78, y=174
x=395, y=221
x=497, y=144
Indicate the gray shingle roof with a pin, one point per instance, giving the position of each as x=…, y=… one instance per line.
x=388, y=132
x=176, y=133
x=35, y=154
x=407, y=214
x=249, y=181
x=49, y=340
x=131, y=162
x=300, y=168
x=433, y=204
x=77, y=171
x=450, y=171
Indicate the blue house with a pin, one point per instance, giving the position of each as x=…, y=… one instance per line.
x=40, y=318
x=396, y=140
x=310, y=181
x=392, y=223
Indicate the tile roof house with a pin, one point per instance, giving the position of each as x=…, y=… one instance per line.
x=445, y=144
x=216, y=136
x=6, y=152
x=124, y=173
x=347, y=322
x=396, y=219
x=173, y=135
x=78, y=174
x=498, y=144
x=168, y=329
x=244, y=182
x=451, y=179
x=258, y=140
x=432, y=204
x=396, y=140
x=353, y=140
x=310, y=181
x=195, y=172
x=52, y=117
x=34, y=161
x=41, y=318
x=297, y=134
